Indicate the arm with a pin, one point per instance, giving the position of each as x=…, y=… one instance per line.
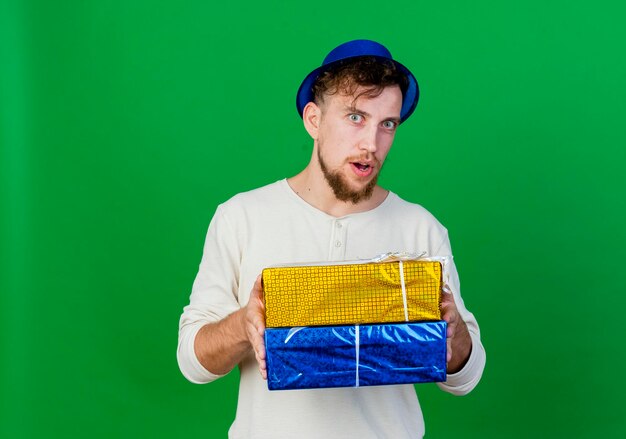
x=214, y=332
x=466, y=354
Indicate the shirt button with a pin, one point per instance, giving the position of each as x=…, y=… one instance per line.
x=339, y=226
x=338, y=244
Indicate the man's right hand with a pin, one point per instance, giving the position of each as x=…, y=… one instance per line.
x=254, y=320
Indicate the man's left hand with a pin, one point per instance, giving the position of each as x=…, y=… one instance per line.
x=459, y=343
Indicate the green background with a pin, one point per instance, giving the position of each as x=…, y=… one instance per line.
x=124, y=123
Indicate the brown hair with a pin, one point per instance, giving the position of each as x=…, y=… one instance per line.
x=367, y=71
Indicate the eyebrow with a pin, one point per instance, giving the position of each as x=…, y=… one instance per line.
x=353, y=109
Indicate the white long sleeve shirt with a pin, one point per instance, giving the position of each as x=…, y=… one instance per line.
x=272, y=225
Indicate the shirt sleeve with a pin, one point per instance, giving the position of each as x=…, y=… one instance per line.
x=466, y=379
x=213, y=295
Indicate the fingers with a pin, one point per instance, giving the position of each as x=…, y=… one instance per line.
x=256, y=331
x=451, y=315
x=259, y=353
x=255, y=325
x=262, y=364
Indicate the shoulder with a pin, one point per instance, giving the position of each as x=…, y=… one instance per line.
x=415, y=223
x=406, y=210
x=255, y=201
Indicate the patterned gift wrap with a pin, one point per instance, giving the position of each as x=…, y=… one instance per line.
x=353, y=356
x=385, y=292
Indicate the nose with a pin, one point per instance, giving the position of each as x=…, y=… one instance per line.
x=368, y=141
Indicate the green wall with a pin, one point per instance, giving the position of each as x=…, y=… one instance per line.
x=124, y=123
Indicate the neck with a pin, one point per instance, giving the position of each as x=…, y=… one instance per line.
x=311, y=186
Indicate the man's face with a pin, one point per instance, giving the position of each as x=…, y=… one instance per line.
x=354, y=138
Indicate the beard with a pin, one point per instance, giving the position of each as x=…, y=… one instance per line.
x=341, y=188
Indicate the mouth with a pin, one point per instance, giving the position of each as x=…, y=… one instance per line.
x=362, y=169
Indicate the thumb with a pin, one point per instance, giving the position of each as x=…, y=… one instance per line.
x=257, y=288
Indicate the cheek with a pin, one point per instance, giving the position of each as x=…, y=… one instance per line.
x=331, y=133
x=384, y=145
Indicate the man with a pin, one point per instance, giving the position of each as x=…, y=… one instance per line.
x=333, y=210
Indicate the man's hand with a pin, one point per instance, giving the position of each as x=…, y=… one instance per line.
x=254, y=320
x=459, y=343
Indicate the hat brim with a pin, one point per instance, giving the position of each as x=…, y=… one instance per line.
x=409, y=97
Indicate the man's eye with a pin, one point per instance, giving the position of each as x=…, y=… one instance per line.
x=389, y=124
x=355, y=118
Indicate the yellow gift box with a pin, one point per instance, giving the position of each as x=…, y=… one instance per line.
x=348, y=294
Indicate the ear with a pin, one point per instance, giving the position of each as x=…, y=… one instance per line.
x=311, y=116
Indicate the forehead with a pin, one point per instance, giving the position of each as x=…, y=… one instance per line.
x=388, y=101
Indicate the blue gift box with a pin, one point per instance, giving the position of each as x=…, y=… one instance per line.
x=352, y=356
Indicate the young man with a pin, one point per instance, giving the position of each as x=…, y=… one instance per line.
x=333, y=210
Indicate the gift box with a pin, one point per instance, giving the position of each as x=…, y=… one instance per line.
x=353, y=356
x=346, y=294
